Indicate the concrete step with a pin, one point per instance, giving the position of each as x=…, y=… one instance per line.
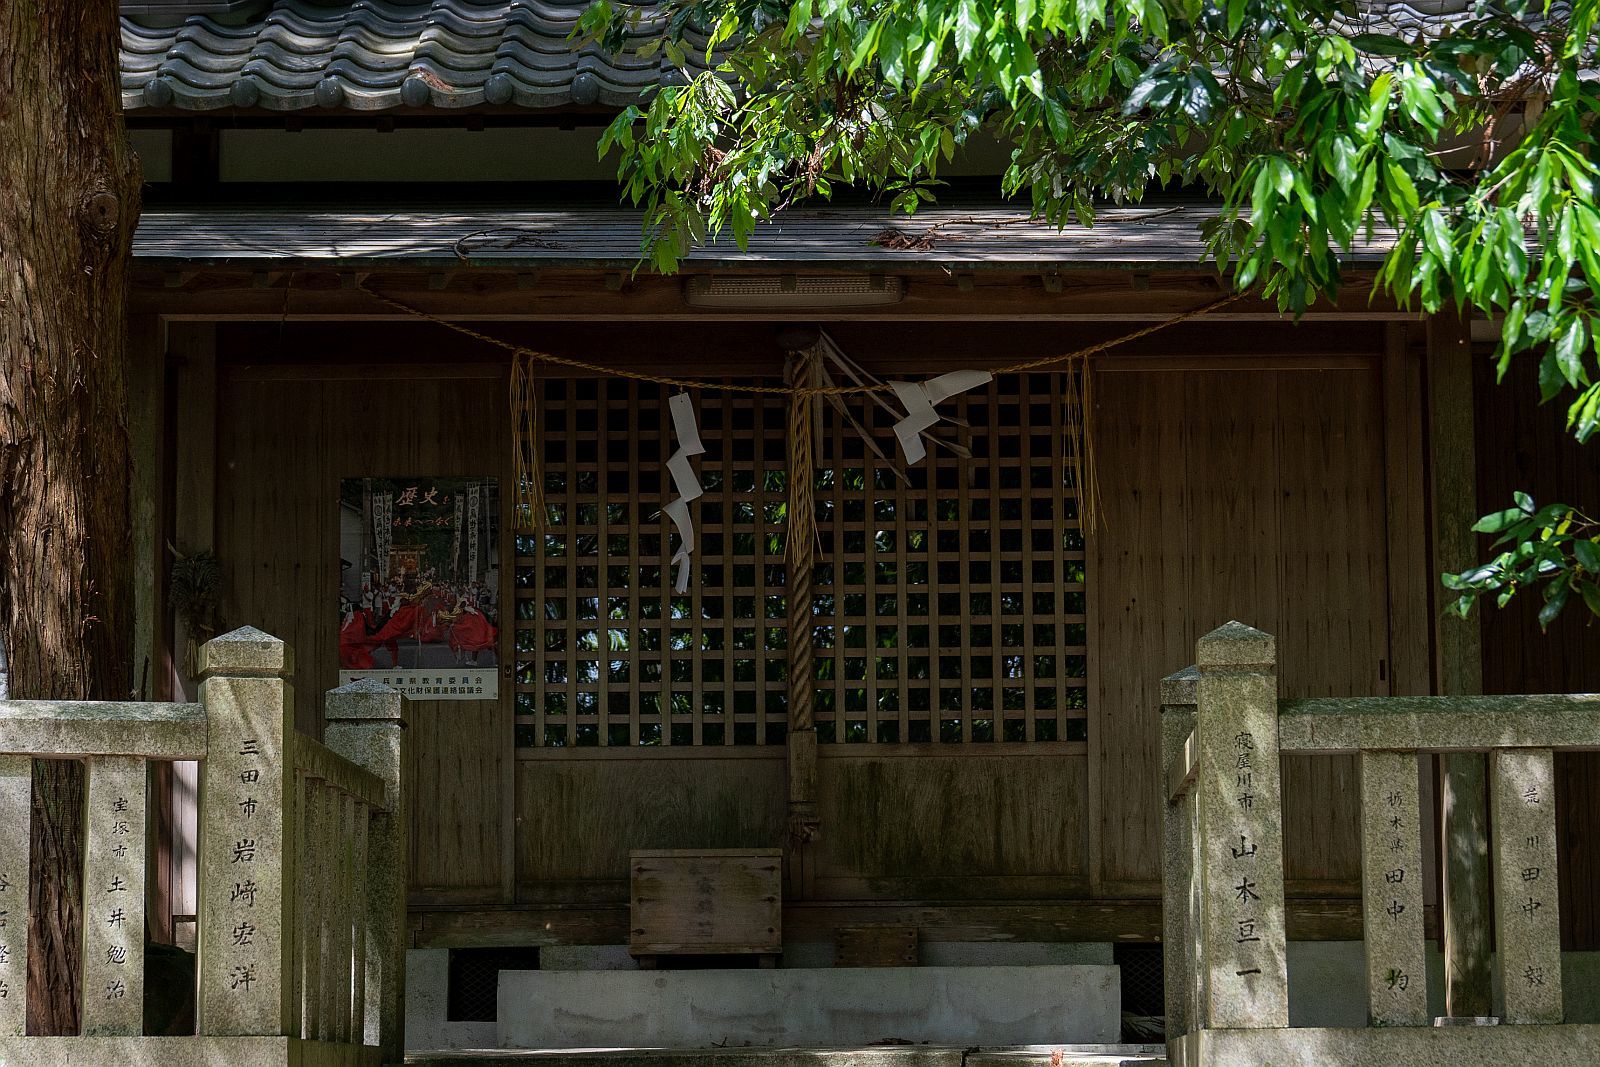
x=867, y=1056
x=848, y=1007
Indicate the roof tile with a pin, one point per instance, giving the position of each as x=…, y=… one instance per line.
x=365, y=54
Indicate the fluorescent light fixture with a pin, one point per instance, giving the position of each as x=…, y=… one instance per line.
x=1487, y=329
x=783, y=291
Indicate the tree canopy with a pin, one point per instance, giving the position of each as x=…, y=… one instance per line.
x=1472, y=143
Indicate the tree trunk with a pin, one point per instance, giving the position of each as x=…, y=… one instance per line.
x=69, y=189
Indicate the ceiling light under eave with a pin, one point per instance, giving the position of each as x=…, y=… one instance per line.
x=789, y=291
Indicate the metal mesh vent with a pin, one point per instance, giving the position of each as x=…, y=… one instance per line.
x=473, y=984
x=1143, y=983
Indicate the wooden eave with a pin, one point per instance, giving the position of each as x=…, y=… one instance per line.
x=512, y=294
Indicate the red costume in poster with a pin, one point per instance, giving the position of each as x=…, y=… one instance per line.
x=355, y=643
x=471, y=632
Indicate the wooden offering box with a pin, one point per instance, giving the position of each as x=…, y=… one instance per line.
x=712, y=902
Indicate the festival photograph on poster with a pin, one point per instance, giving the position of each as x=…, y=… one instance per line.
x=419, y=586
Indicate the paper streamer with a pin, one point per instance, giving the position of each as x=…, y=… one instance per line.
x=685, y=482
x=919, y=399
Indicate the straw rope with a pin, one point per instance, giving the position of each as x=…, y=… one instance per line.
x=801, y=546
x=529, y=491
x=1078, y=428
x=785, y=390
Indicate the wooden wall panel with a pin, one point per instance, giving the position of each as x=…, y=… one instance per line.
x=1255, y=495
x=931, y=826
x=579, y=814
x=1523, y=445
x=286, y=436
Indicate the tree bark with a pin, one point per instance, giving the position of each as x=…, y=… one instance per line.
x=69, y=196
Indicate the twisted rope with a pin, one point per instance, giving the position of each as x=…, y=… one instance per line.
x=529, y=490
x=800, y=548
x=812, y=389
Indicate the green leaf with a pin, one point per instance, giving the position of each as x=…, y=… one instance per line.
x=1235, y=17
x=968, y=27
x=1557, y=599
x=1379, y=44
x=1497, y=521
x=1403, y=189
x=1569, y=350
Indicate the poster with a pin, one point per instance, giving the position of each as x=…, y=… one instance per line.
x=419, y=587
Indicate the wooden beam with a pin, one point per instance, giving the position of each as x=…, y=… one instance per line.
x=1056, y=921
x=223, y=293
x=1406, y=513
x=1458, y=670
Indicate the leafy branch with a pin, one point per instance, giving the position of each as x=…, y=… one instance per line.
x=1469, y=150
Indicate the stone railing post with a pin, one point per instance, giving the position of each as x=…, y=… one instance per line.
x=247, y=839
x=16, y=801
x=1179, y=873
x=1522, y=786
x=1391, y=890
x=1242, y=941
x=366, y=725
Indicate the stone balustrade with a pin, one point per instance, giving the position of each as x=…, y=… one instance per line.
x=1223, y=732
x=302, y=867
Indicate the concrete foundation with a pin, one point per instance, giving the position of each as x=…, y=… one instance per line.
x=814, y=1007
x=1326, y=980
x=427, y=1000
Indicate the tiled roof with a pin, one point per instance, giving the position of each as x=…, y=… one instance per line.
x=290, y=55
x=369, y=55
x=939, y=237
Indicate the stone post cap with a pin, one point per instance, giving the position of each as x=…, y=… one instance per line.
x=1236, y=645
x=1179, y=690
x=245, y=653
x=365, y=700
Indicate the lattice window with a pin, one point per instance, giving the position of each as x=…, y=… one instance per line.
x=607, y=653
x=948, y=606
x=949, y=603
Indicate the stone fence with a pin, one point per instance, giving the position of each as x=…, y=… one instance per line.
x=302, y=865
x=1223, y=731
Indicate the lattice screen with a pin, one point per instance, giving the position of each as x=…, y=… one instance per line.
x=950, y=603
x=607, y=653
x=948, y=606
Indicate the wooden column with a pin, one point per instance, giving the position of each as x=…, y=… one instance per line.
x=1463, y=787
x=805, y=825
x=152, y=666
x=147, y=348
x=192, y=352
